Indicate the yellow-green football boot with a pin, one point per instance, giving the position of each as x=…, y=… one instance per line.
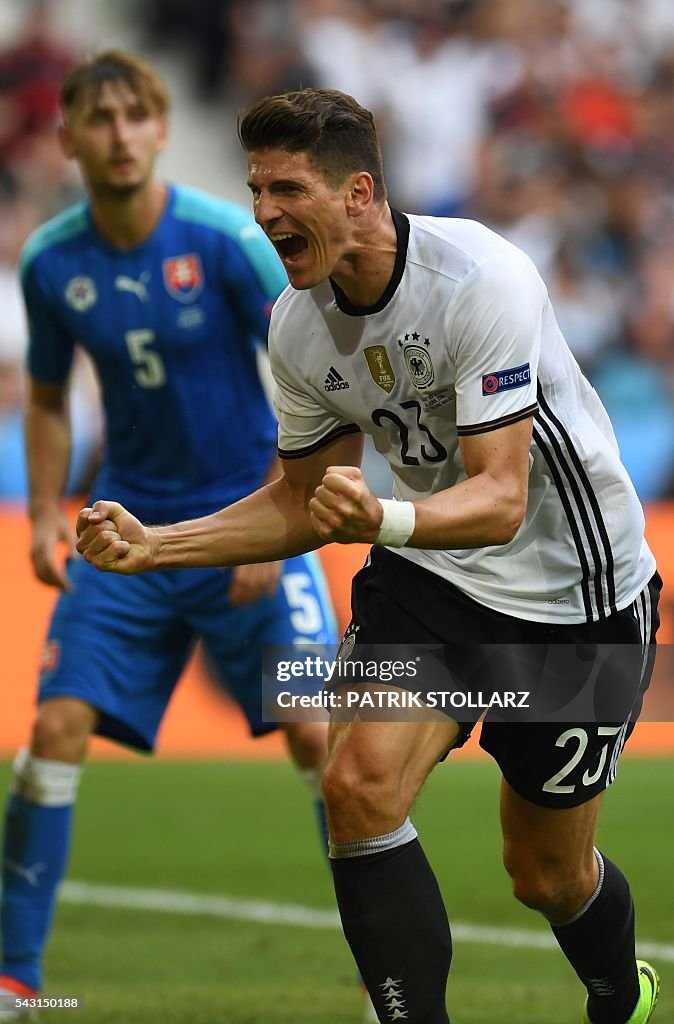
x=649, y=984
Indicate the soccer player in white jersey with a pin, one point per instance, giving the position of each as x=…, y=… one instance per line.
x=514, y=524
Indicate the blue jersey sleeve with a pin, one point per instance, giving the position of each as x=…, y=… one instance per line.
x=50, y=346
x=252, y=273
x=255, y=276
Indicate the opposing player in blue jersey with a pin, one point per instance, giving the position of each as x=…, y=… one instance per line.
x=169, y=290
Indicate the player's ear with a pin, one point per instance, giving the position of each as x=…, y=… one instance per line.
x=360, y=193
x=162, y=134
x=66, y=142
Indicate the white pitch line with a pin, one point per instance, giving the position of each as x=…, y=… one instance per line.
x=168, y=901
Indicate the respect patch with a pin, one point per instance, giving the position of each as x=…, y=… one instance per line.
x=506, y=380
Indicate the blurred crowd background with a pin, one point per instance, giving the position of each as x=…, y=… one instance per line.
x=550, y=120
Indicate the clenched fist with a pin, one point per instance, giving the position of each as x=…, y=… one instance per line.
x=344, y=509
x=115, y=541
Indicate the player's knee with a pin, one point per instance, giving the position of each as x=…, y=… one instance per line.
x=538, y=891
x=45, y=782
x=547, y=884
x=61, y=730
x=351, y=792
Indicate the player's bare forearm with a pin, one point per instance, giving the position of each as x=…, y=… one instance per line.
x=48, y=444
x=487, y=508
x=270, y=524
x=484, y=510
x=274, y=522
x=250, y=582
x=48, y=456
x=476, y=513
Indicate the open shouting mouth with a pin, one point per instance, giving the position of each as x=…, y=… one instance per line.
x=289, y=246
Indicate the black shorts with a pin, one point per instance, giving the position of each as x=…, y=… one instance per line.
x=558, y=762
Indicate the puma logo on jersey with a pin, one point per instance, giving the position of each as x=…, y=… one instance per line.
x=334, y=381
x=137, y=288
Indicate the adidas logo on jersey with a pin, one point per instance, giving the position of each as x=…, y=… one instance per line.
x=334, y=381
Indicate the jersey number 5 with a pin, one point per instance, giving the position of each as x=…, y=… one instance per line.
x=305, y=617
x=150, y=371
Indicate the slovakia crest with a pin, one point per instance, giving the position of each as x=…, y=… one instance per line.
x=184, y=277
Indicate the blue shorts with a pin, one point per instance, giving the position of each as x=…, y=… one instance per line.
x=120, y=643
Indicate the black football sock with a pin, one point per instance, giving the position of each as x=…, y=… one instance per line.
x=599, y=944
x=396, y=925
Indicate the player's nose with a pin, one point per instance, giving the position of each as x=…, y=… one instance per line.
x=266, y=210
x=120, y=129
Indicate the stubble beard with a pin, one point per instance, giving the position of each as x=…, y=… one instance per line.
x=119, y=193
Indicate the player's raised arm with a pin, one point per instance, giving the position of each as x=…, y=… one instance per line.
x=488, y=508
x=48, y=454
x=484, y=510
x=273, y=522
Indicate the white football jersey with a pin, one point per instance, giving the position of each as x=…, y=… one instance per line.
x=464, y=341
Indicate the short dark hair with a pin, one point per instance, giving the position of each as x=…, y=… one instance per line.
x=338, y=135
x=84, y=81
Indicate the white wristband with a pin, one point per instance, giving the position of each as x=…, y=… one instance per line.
x=397, y=526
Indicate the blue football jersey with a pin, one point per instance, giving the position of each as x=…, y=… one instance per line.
x=173, y=327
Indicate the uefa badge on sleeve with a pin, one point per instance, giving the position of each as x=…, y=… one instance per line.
x=506, y=380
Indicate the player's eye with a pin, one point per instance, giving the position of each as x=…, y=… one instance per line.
x=138, y=113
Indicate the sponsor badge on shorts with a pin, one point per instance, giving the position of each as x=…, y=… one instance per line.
x=49, y=658
x=184, y=277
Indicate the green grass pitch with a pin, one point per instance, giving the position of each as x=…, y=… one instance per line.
x=246, y=831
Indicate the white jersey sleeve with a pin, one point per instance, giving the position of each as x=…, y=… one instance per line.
x=304, y=425
x=495, y=337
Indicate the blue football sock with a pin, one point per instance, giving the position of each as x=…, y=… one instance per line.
x=37, y=840
x=311, y=777
x=34, y=856
x=321, y=817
